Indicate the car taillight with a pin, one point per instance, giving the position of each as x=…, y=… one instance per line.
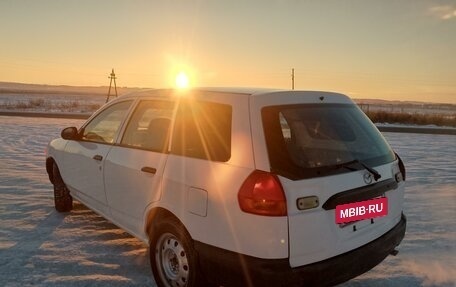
x=262, y=194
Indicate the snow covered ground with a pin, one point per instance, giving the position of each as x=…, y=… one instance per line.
x=40, y=247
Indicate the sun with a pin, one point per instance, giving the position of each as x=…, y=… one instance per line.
x=182, y=80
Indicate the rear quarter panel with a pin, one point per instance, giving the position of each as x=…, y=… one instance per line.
x=223, y=224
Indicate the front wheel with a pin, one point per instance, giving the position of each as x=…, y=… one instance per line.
x=63, y=201
x=172, y=257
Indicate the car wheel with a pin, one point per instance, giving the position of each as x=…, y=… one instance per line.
x=63, y=201
x=172, y=257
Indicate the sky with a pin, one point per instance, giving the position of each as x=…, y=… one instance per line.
x=394, y=50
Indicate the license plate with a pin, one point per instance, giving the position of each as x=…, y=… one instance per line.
x=361, y=210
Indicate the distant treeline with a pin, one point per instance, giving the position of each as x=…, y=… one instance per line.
x=414, y=119
x=41, y=104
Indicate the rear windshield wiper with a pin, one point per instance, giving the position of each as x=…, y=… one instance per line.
x=349, y=164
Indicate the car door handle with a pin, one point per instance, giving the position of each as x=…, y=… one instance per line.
x=149, y=169
x=98, y=157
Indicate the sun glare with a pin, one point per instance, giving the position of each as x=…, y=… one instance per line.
x=182, y=80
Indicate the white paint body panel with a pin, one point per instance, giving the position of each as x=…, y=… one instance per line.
x=314, y=234
x=128, y=189
x=82, y=172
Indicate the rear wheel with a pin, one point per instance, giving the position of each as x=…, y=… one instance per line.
x=63, y=201
x=172, y=257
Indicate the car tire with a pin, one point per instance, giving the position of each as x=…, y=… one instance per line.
x=173, y=260
x=63, y=201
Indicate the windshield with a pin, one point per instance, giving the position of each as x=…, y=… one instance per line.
x=311, y=140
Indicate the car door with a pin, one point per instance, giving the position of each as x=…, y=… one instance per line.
x=83, y=159
x=134, y=168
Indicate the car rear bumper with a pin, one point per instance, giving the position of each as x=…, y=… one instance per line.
x=233, y=269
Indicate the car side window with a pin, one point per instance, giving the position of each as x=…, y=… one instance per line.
x=104, y=127
x=203, y=130
x=149, y=126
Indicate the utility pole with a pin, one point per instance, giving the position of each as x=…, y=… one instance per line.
x=112, y=77
x=292, y=79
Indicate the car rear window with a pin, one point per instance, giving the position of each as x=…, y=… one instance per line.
x=203, y=130
x=311, y=140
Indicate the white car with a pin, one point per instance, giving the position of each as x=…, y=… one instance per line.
x=238, y=187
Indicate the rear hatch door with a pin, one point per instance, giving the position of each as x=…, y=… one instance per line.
x=324, y=148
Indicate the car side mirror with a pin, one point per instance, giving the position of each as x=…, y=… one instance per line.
x=70, y=133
